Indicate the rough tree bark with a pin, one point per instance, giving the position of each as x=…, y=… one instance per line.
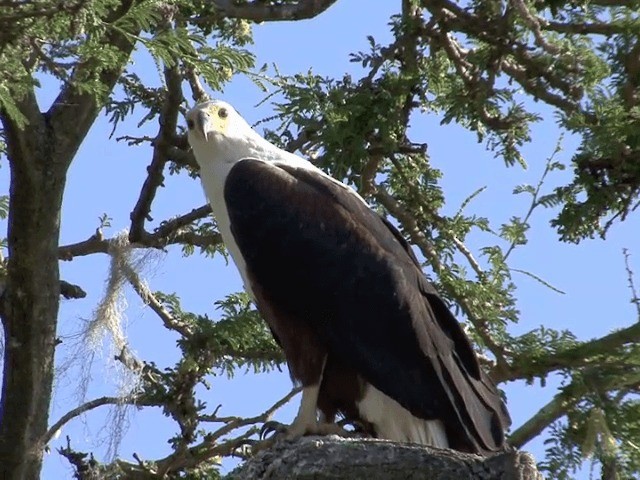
x=39, y=157
x=335, y=458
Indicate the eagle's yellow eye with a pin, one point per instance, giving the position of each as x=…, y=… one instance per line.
x=223, y=113
x=190, y=124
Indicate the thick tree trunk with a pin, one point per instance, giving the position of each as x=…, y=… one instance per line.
x=29, y=306
x=334, y=458
x=39, y=156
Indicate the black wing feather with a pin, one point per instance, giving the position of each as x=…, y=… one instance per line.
x=329, y=260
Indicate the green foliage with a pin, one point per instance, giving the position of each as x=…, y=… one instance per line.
x=563, y=456
x=239, y=338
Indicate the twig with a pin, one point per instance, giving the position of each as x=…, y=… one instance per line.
x=535, y=196
x=635, y=299
x=208, y=449
x=470, y=258
x=263, y=417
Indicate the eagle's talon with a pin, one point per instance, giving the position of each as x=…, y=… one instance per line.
x=273, y=429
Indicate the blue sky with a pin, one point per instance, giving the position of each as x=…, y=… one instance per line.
x=106, y=178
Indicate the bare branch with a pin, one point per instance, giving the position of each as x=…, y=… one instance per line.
x=265, y=416
x=96, y=243
x=170, y=227
x=85, y=407
x=149, y=298
x=168, y=233
x=209, y=449
x=168, y=123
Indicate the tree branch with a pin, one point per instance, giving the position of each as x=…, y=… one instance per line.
x=74, y=110
x=149, y=298
x=598, y=381
x=168, y=122
x=635, y=298
x=265, y=416
x=96, y=243
x=548, y=414
x=71, y=414
x=168, y=233
x=583, y=354
x=209, y=448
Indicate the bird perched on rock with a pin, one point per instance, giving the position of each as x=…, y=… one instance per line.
x=363, y=330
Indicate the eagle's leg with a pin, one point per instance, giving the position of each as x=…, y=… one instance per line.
x=306, y=421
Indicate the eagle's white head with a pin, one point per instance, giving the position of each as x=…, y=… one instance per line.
x=217, y=133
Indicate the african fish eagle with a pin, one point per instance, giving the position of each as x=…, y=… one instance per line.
x=363, y=331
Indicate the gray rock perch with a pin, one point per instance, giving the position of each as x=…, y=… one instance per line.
x=335, y=458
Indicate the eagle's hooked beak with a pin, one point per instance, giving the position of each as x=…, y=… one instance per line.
x=203, y=124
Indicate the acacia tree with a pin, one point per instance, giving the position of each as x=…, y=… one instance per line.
x=471, y=63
